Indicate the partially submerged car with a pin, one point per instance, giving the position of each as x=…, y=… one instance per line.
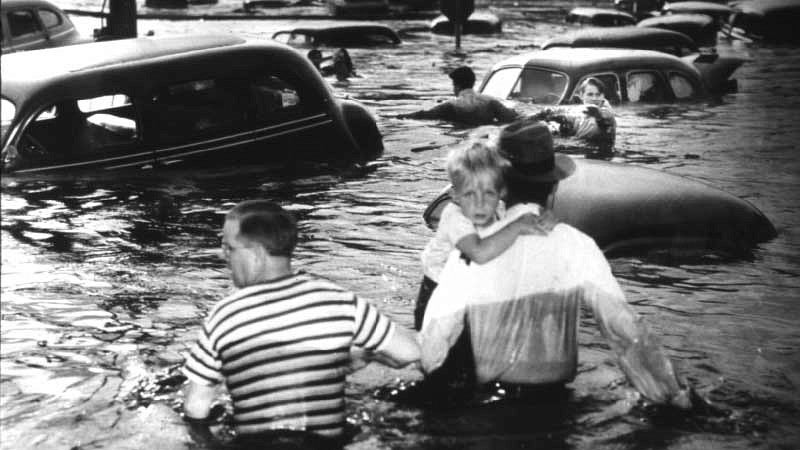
x=357, y=7
x=640, y=9
x=719, y=12
x=599, y=17
x=700, y=27
x=149, y=102
x=552, y=77
x=340, y=35
x=715, y=69
x=657, y=39
x=34, y=24
x=766, y=20
x=479, y=22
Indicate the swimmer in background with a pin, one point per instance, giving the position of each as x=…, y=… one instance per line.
x=342, y=66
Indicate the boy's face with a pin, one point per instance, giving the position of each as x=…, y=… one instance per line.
x=478, y=199
x=244, y=258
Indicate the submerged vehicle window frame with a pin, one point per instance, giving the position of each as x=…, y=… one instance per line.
x=6, y=105
x=695, y=91
x=515, y=78
x=532, y=100
x=658, y=77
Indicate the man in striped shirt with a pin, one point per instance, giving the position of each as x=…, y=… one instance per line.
x=281, y=343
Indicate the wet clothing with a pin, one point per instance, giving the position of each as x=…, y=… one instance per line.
x=469, y=107
x=453, y=226
x=573, y=121
x=283, y=348
x=522, y=311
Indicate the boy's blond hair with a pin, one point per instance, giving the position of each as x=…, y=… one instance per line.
x=466, y=163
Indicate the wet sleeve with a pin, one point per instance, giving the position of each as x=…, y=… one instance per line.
x=203, y=365
x=639, y=353
x=372, y=328
x=444, y=315
x=454, y=225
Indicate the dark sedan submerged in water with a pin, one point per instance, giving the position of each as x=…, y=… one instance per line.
x=774, y=21
x=552, y=77
x=142, y=103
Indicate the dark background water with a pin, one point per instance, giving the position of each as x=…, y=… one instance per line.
x=105, y=280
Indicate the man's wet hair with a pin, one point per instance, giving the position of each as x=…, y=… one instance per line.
x=266, y=223
x=463, y=77
x=601, y=87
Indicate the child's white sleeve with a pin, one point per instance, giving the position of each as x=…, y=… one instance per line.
x=454, y=225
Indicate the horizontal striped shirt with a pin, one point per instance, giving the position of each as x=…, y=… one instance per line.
x=282, y=348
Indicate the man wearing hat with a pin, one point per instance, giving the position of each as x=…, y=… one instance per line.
x=522, y=308
x=469, y=107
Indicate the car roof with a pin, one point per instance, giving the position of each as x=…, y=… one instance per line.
x=767, y=6
x=593, y=58
x=8, y=4
x=348, y=30
x=125, y=63
x=589, y=11
x=698, y=20
x=620, y=37
x=693, y=6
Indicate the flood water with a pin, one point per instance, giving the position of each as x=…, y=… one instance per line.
x=105, y=280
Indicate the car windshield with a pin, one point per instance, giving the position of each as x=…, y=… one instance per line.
x=7, y=111
x=540, y=86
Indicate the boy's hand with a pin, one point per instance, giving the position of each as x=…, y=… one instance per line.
x=537, y=225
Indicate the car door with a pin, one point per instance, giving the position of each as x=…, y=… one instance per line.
x=97, y=132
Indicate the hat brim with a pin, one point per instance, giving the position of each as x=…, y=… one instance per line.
x=563, y=167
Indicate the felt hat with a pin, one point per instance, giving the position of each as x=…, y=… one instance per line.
x=528, y=145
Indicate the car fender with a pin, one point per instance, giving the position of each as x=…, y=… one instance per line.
x=363, y=129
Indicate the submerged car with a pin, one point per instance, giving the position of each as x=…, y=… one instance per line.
x=719, y=12
x=34, y=24
x=766, y=20
x=357, y=7
x=150, y=102
x=716, y=69
x=599, y=17
x=552, y=77
x=700, y=27
x=349, y=35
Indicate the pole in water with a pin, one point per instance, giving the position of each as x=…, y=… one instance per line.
x=457, y=30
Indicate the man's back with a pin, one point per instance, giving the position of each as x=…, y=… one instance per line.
x=282, y=349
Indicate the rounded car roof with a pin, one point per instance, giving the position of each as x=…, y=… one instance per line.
x=699, y=20
x=693, y=6
x=27, y=3
x=79, y=68
x=593, y=58
x=620, y=37
x=589, y=11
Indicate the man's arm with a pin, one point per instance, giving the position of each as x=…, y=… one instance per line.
x=198, y=399
x=484, y=249
x=640, y=355
x=399, y=350
x=503, y=113
x=443, y=111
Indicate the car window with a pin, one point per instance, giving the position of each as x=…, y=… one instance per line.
x=611, y=83
x=500, y=83
x=272, y=96
x=21, y=23
x=103, y=102
x=7, y=112
x=540, y=86
x=63, y=130
x=681, y=86
x=49, y=18
x=645, y=87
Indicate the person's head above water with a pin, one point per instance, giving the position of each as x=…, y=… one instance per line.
x=315, y=56
x=476, y=172
x=535, y=167
x=258, y=236
x=592, y=91
x=463, y=78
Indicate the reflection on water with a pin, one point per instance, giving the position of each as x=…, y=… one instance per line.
x=105, y=280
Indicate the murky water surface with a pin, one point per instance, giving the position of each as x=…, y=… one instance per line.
x=105, y=280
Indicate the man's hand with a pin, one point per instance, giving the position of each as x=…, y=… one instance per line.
x=593, y=111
